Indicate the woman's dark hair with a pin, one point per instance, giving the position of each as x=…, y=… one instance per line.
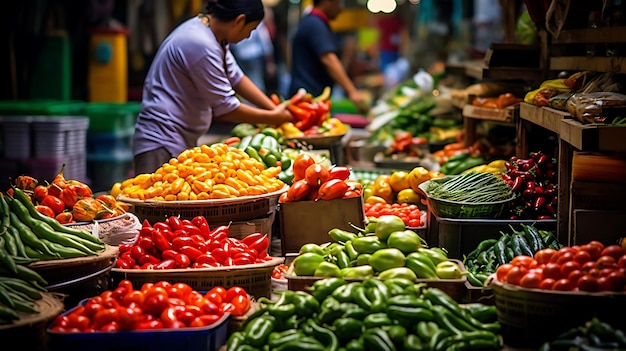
x=228, y=10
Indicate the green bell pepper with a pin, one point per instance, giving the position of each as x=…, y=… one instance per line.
x=424, y=258
x=421, y=269
x=327, y=269
x=406, y=241
x=436, y=255
x=326, y=336
x=413, y=343
x=398, y=272
x=342, y=259
x=355, y=345
x=364, y=271
x=426, y=329
x=243, y=130
x=314, y=248
x=448, y=270
x=258, y=330
x=348, y=328
x=282, y=311
x=350, y=250
x=305, y=303
x=397, y=333
x=363, y=259
x=307, y=263
x=376, y=320
x=387, y=224
x=345, y=293
x=384, y=259
x=377, y=339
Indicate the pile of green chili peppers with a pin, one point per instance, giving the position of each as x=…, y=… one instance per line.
x=373, y=315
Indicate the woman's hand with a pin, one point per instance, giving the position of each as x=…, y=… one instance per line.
x=281, y=114
x=359, y=101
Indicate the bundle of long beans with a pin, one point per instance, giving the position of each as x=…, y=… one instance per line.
x=471, y=187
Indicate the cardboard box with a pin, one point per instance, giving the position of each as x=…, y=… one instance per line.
x=305, y=222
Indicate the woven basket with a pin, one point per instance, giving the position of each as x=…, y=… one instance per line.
x=463, y=209
x=254, y=278
x=530, y=317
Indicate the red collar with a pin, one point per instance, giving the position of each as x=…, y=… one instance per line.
x=319, y=13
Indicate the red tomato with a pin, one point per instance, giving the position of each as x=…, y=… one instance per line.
x=214, y=297
x=615, y=281
x=515, y=274
x=588, y=283
x=531, y=280
x=622, y=261
x=574, y=276
x=316, y=175
x=233, y=292
x=524, y=261
x=300, y=165
x=502, y=271
x=298, y=191
x=565, y=257
x=563, y=285
x=552, y=270
x=155, y=303
x=137, y=297
x=592, y=250
x=241, y=304
x=105, y=316
x=582, y=257
x=615, y=251
x=339, y=172
x=544, y=255
x=179, y=290
x=79, y=321
x=568, y=267
x=597, y=244
x=605, y=261
x=129, y=317
x=547, y=284
x=332, y=189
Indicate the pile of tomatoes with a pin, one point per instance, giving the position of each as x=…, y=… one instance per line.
x=182, y=243
x=160, y=305
x=410, y=214
x=591, y=267
x=313, y=181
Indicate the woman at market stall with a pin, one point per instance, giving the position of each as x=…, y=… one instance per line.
x=194, y=78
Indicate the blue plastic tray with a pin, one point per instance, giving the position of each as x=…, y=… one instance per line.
x=188, y=339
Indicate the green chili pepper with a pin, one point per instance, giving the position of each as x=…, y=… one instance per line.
x=305, y=303
x=387, y=258
x=363, y=259
x=426, y=329
x=314, y=248
x=436, y=254
x=368, y=244
x=278, y=338
x=360, y=297
x=352, y=310
x=345, y=293
x=341, y=236
x=397, y=333
x=324, y=335
x=398, y=272
x=282, y=311
x=407, y=300
x=355, y=345
x=377, y=339
x=343, y=260
x=364, y=271
x=327, y=269
x=413, y=343
x=421, y=269
x=350, y=250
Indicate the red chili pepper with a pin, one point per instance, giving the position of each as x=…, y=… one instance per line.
x=182, y=261
x=207, y=259
x=167, y=264
x=219, y=233
x=539, y=201
x=190, y=229
x=220, y=254
x=124, y=263
x=250, y=238
x=191, y=252
x=161, y=226
x=148, y=259
x=160, y=241
x=146, y=242
x=544, y=217
x=202, y=224
x=551, y=210
x=243, y=258
x=517, y=182
x=168, y=254
x=539, y=190
x=181, y=241
x=174, y=222
x=298, y=113
x=261, y=244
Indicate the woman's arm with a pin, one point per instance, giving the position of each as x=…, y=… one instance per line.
x=249, y=91
x=249, y=114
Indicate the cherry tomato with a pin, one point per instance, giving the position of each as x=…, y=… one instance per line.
x=155, y=303
x=105, y=316
x=241, y=305
x=179, y=290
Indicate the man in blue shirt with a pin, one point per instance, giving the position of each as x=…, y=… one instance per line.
x=314, y=61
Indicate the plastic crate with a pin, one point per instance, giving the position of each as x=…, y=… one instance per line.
x=209, y=338
x=254, y=278
x=59, y=136
x=102, y=143
x=105, y=169
x=46, y=168
x=41, y=107
x=111, y=117
x=16, y=140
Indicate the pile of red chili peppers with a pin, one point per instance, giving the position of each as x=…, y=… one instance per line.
x=183, y=243
x=534, y=180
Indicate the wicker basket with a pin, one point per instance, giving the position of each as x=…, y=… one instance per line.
x=530, y=317
x=254, y=278
x=461, y=209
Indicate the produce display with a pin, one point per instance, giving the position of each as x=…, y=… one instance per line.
x=395, y=314
x=534, y=181
x=315, y=181
x=411, y=214
x=179, y=243
x=594, y=335
x=152, y=306
x=485, y=259
x=205, y=172
x=592, y=267
x=29, y=235
x=398, y=187
x=68, y=200
x=385, y=249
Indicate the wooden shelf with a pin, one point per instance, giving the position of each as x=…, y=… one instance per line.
x=507, y=115
x=598, y=35
x=478, y=70
x=545, y=117
x=593, y=137
x=616, y=64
